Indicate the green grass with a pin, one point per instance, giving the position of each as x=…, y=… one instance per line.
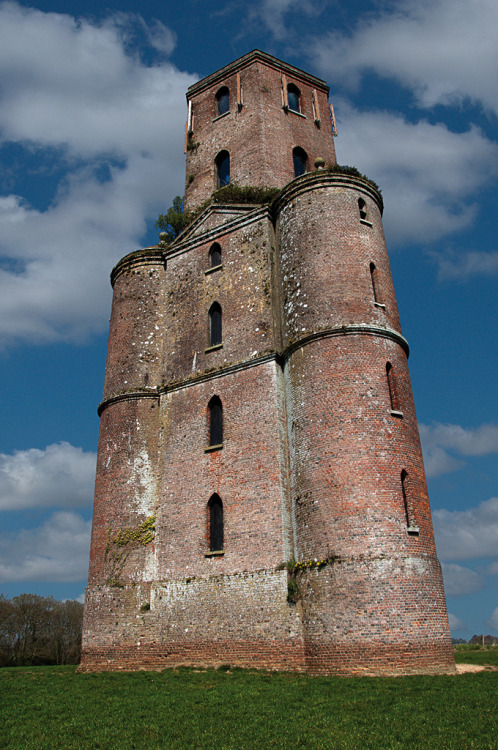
x=476, y=655
x=44, y=708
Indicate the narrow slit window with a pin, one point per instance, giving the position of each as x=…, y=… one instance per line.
x=215, y=324
x=215, y=255
x=411, y=525
x=375, y=282
x=215, y=509
x=222, y=163
x=404, y=476
x=392, y=387
x=215, y=421
x=362, y=208
x=300, y=160
x=293, y=97
x=223, y=101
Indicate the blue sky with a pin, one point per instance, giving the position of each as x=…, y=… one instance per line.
x=92, y=113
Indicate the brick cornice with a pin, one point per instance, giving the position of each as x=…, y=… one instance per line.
x=279, y=357
x=150, y=256
x=251, y=57
x=323, y=179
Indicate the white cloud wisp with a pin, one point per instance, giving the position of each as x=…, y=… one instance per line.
x=116, y=124
x=57, y=551
x=60, y=476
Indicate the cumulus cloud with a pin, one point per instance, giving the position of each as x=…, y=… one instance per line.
x=75, y=88
x=58, y=551
x=459, y=580
x=427, y=173
x=59, y=476
x=494, y=619
x=445, y=51
x=439, y=441
x=465, y=265
x=467, y=534
x=273, y=14
x=456, y=623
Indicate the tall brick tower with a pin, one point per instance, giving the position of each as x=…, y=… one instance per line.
x=260, y=496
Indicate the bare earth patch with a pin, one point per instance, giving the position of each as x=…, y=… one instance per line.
x=462, y=668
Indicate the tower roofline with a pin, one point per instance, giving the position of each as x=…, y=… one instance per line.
x=243, y=62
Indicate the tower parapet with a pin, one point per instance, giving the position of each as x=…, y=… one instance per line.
x=260, y=495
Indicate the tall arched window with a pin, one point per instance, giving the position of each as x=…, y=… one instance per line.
x=215, y=255
x=215, y=509
x=294, y=97
x=215, y=328
x=373, y=277
x=362, y=208
x=223, y=101
x=215, y=421
x=404, y=476
x=393, y=395
x=222, y=163
x=300, y=159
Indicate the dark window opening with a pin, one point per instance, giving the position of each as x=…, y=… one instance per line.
x=362, y=207
x=300, y=159
x=293, y=97
x=392, y=387
x=215, y=507
x=223, y=101
x=373, y=277
x=215, y=331
x=222, y=162
x=215, y=421
x=404, y=476
x=215, y=255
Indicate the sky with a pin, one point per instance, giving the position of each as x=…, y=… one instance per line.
x=92, y=117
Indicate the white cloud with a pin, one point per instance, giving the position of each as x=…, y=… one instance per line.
x=427, y=173
x=465, y=265
x=445, y=51
x=56, y=551
x=459, y=580
x=494, y=619
x=456, y=623
x=73, y=87
x=440, y=440
x=59, y=476
x=272, y=13
x=467, y=534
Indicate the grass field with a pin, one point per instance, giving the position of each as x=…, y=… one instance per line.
x=43, y=708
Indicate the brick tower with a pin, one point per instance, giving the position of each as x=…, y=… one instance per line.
x=260, y=495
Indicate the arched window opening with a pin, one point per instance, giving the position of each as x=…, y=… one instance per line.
x=362, y=207
x=411, y=525
x=300, y=159
x=215, y=329
x=222, y=163
x=215, y=508
x=294, y=97
x=392, y=387
x=404, y=476
x=215, y=421
x=215, y=255
x=373, y=277
x=223, y=100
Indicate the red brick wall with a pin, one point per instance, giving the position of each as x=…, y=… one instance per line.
x=312, y=452
x=260, y=136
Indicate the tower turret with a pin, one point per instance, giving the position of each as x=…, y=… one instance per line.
x=260, y=495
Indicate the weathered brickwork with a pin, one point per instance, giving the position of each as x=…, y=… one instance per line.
x=319, y=462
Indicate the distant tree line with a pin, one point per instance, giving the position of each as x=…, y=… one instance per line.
x=39, y=630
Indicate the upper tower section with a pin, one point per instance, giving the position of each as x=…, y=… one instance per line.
x=256, y=122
